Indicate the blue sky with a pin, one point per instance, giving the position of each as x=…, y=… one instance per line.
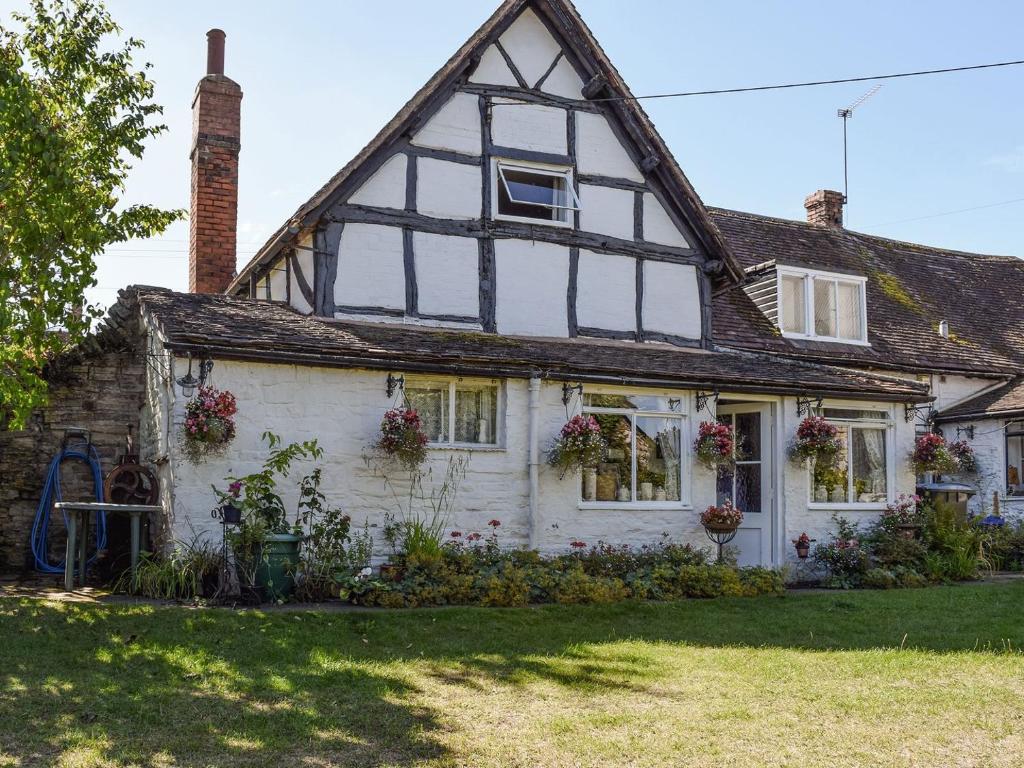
x=320, y=78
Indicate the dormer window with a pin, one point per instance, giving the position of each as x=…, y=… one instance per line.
x=822, y=305
x=534, y=193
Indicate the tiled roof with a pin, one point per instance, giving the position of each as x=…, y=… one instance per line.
x=910, y=288
x=241, y=328
x=1007, y=400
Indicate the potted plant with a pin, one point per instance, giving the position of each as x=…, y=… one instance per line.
x=905, y=515
x=265, y=544
x=715, y=445
x=963, y=454
x=402, y=437
x=723, y=519
x=579, y=444
x=803, y=545
x=816, y=441
x=209, y=425
x=931, y=454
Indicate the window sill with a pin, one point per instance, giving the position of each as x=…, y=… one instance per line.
x=636, y=506
x=828, y=339
x=852, y=506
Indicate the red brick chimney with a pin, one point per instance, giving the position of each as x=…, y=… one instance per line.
x=216, y=119
x=825, y=208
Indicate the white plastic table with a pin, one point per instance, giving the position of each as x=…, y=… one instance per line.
x=78, y=518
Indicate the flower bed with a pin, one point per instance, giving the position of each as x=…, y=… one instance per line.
x=468, y=574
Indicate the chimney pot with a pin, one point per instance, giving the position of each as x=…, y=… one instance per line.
x=215, y=52
x=825, y=208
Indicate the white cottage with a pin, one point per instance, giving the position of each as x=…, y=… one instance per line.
x=518, y=245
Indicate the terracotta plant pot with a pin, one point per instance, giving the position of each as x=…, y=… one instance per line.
x=802, y=552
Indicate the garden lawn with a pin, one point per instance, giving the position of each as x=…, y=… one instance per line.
x=930, y=677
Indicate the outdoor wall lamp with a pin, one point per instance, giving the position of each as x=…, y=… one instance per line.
x=190, y=383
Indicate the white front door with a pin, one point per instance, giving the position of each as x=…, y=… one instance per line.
x=749, y=486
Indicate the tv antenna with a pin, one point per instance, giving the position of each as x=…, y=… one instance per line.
x=846, y=114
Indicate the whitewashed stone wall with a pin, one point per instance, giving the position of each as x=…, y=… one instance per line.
x=343, y=408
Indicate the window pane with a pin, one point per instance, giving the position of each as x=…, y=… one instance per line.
x=1014, y=464
x=657, y=458
x=531, y=194
x=724, y=487
x=793, y=313
x=824, y=308
x=431, y=402
x=853, y=414
x=476, y=414
x=849, y=310
x=869, y=481
x=613, y=480
x=830, y=483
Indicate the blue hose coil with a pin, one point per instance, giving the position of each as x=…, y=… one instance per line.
x=52, y=494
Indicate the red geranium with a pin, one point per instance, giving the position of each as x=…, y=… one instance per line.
x=715, y=445
x=402, y=437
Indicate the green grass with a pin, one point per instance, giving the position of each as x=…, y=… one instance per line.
x=927, y=677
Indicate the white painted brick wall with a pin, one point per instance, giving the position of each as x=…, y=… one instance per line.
x=371, y=267
x=598, y=150
x=532, y=280
x=528, y=126
x=671, y=299
x=658, y=226
x=456, y=126
x=448, y=190
x=530, y=46
x=606, y=291
x=386, y=188
x=606, y=211
x=447, y=274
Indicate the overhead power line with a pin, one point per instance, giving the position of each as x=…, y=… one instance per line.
x=950, y=213
x=810, y=83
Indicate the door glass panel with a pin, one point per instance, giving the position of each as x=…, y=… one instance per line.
x=748, y=425
x=724, y=489
x=748, y=487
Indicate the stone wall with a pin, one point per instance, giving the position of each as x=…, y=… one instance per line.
x=102, y=393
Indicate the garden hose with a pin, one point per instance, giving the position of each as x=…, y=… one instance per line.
x=52, y=494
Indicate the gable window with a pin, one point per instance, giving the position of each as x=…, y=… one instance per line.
x=642, y=465
x=456, y=412
x=860, y=474
x=822, y=305
x=534, y=193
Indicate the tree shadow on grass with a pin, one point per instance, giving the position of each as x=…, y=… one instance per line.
x=136, y=685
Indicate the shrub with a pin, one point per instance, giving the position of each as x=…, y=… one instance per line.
x=189, y=571
x=1004, y=547
x=878, y=578
x=844, y=558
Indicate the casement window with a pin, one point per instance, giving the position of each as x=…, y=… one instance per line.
x=822, y=305
x=1015, y=458
x=534, y=193
x=862, y=472
x=643, y=463
x=457, y=412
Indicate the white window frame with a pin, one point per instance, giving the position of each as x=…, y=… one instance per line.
x=1010, y=431
x=561, y=171
x=682, y=413
x=498, y=444
x=808, y=277
x=888, y=423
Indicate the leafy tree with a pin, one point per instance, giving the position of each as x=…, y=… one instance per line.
x=74, y=113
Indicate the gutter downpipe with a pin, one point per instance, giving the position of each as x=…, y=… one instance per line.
x=534, y=459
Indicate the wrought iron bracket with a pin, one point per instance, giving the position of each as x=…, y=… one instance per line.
x=968, y=431
x=912, y=410
x=703, y=398
x=568, y=389
x=805, y=405
x=395, y=383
